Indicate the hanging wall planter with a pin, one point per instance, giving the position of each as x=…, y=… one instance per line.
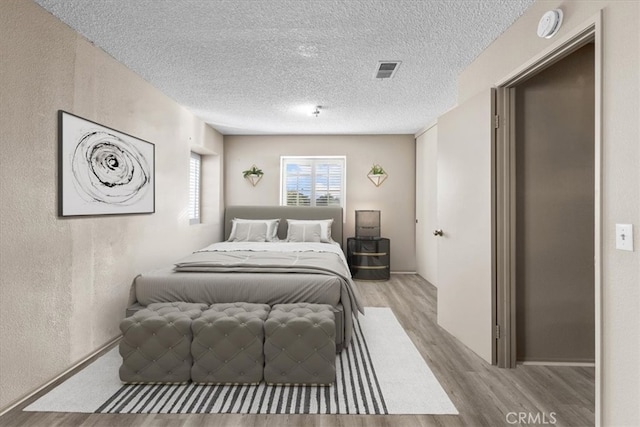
x=253, y=175
x=377, y=175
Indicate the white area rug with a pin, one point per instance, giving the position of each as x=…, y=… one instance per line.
x=381, y=373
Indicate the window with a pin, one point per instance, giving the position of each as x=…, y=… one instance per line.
x=194, y=188
x=312, y=181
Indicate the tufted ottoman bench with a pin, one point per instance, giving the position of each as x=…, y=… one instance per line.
x=156, y=343
x=300, y=344
x=227, y=344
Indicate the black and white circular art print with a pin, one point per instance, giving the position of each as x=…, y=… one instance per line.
x=109, y=170
x=104, y=171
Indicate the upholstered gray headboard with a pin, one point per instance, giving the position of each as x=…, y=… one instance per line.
x=284, y=212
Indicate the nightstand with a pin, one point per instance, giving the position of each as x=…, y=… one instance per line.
x=369, y=259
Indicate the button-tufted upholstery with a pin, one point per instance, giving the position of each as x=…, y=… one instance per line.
x=156, y=343
x=300, y=344
x=227, y=344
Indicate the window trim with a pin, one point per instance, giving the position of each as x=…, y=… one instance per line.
x=197, y=218
x=343, y=190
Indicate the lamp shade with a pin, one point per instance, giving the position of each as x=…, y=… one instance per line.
x=367, y=224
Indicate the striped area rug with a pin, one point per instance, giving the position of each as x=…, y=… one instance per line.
x=356, y=391
x=381, y=373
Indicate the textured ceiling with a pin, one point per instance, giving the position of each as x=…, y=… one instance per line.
x=260, y=67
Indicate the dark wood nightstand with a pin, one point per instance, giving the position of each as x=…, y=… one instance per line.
x=369, y=259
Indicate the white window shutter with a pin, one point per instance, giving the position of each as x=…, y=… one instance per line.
x=313, y=181
x=194, y=188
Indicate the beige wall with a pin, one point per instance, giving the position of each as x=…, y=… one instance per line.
x=621, y=174
x=65, y=282
x=426, y=204
x=394, y=198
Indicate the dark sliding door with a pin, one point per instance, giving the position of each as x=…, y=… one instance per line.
x=555, y=314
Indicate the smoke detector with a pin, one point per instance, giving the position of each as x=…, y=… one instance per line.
x=550, y=23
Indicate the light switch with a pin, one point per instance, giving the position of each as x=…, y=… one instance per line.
x=624, y=237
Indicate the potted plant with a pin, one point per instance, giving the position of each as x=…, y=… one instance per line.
x=253, y=174
x=377, y=175
x=376, y=170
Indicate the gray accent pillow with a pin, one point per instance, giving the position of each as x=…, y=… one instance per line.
x=325, y=227
x=250, y=232
x=272, y=228
x=298, y=232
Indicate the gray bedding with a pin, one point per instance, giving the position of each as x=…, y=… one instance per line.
x=257, y=277
x=167, y=285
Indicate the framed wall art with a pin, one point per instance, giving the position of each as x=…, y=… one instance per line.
x=103, y=171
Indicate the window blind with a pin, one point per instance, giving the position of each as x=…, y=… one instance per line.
x=194, y=188
x=313, y=181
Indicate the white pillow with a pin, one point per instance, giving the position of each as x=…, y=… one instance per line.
x=325, y=227
x=272, y=228
x=297, y=232
x=250, y=232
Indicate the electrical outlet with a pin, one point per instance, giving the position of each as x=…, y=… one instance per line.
x=624, y=237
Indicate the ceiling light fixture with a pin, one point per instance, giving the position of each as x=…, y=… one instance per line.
x=316, y=112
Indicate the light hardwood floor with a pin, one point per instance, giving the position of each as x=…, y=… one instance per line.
x=483, y=394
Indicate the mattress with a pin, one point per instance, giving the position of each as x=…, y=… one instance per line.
x=271, y=273
x=167, y=285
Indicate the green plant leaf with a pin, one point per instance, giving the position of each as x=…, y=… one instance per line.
x=254, y=170
x=376, y=170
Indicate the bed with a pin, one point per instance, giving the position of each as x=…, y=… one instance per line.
x=271, y=272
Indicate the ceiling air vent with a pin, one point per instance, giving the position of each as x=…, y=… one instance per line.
x=387, y=69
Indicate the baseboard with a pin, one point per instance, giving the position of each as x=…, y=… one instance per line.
x=584, y=364
x=88, y=358
x=403, y=272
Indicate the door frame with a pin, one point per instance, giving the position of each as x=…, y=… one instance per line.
x=589, y=31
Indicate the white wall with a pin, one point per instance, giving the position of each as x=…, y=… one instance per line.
x=65, y=282
x=426, y=204
x=395, y=198
x=621, y=173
